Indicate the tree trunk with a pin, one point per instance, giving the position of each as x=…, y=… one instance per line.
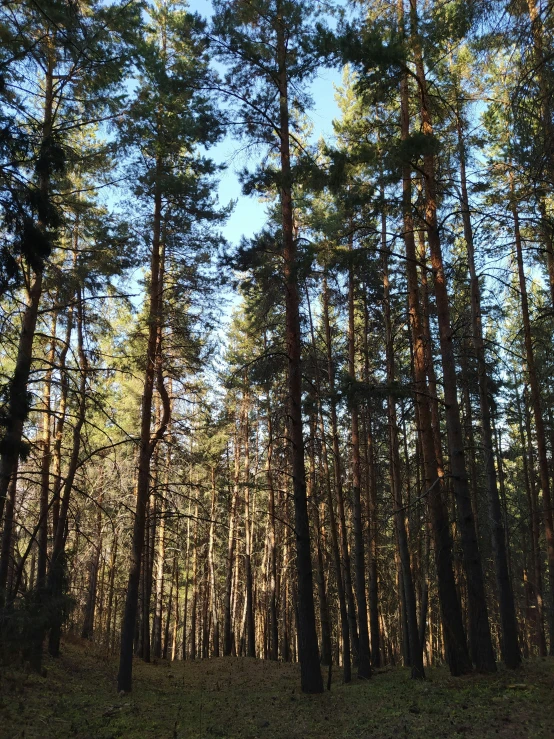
x=482, y=652
x=165, y=650
x=158, y=605
x=364, y=656
x=211, y=565
x=42, y=542
x=537, y=416
x=56, y=573
x=416, y=649
x=250, y=625
x=509, y=645
x=113, y=560
x=88, y=623
x=273, y=620
x=456, y=646
x=320, y=569
x=231, y=546
x=345, y=553
x=146, y=445
x=310, y=672
x=17, y=393
x=345, y=629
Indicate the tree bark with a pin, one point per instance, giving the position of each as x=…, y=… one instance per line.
x=310, y=672
x=456, y=646
x=250, y=625
x=364, y=655
x=337, y=470
x=537, y=415
x=509, y=645
x=482, y=652
x=211, y=565
x=57, y=561
x=146, y=445
x=415, y=647
x=231, y=546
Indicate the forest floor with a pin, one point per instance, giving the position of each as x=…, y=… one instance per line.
x=230, y=697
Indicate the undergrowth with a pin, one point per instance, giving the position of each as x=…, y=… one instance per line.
x=239, y=697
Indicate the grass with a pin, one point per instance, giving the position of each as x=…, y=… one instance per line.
x=240, y=697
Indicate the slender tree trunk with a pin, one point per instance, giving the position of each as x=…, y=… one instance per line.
x=57, y=481
x=231, y=546
x=42, y=542
x=211, y=565
x=274, y=625
x=113, y=561
x=17, y=393
x=88, y=623
x=345, y=553
x=509, y=645
x=57, y=561
x=165, y=650
x=537, y=416
x=345, y=629
x=250, y=624
x=146, y=445
x=364, y=657
x=320, y=569
x=194, y=605
x=479, y=631
x=159, y=595
x=542, y=59
x=534, y=583
x=372, y=510
x=416, y=649
x=456, y=646
x=311, y=680
x=187, y=583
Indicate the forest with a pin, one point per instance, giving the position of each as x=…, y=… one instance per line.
x=325, y=449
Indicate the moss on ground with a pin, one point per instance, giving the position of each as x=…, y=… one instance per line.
x=229, y=697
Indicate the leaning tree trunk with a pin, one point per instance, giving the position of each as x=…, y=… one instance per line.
x=534, y=582
x=160, y=581
x=46, y=458
x=542, y=58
